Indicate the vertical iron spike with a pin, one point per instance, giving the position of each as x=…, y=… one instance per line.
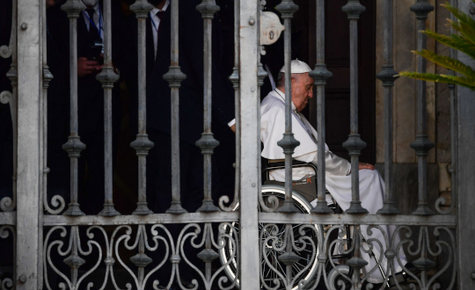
x=320, y=74
x=73, y=146
x=142, y=143
x=422, y=145
x=388, y=76
x=288, y=143
x=108, y=77
x=207, y=143
x=354, y=144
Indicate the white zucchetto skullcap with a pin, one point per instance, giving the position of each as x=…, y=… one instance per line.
x=297, y=67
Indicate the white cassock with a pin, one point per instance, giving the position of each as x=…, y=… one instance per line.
x=337, y=169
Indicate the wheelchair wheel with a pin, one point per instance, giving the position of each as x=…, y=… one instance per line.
x=268, y=274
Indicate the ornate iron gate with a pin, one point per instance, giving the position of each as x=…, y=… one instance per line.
x=235, y=244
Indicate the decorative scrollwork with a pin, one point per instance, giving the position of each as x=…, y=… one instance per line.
x=442, y=201
x=229, y=250
x=376, y=254
x=6, y=283
x=57, y=202
x=5, y=97
x=141, y=242
x=272, y=201
x=65, y=251
x=4, y=231
x=337, y=276
x=361, y=255
x=289, y=247
x=6, y=51
x=223, y=200
x=208, y=254
x=73, y=251
x=424, y=251
x=293, y=256
x=269, y=197
x=90, y=244
x=7, y=204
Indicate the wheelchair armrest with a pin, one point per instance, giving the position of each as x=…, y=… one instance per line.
x=280, y=164
x=295, y=164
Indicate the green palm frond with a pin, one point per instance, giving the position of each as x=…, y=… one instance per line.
x=463, y=41
x=465, y=24
x=455, y=41
x=465, y=31
x=447, y=62
x=462, y=81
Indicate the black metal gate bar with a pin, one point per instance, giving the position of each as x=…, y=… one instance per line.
x=207, y=143
x=453, y=135
x=174, y=77
x=142, y=144
x=422, y=145
x=287, y=8
x=74, y=146
x=108, y=77
x=354, y=144
x=388, y=76
x=321, y=74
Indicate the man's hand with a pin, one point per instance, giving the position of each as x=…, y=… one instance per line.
x=87, y=67
x=233, y=128
x=363, y=165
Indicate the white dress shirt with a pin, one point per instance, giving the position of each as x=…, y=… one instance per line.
x=155, y=22
x=98, y=20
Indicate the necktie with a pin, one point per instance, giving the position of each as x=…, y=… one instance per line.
x=93, y=33
x=160, y=16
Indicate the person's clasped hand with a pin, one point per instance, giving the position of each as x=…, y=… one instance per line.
x=364, y=165
x=87, y=67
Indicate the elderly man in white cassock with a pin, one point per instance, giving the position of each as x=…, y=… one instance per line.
x=337, y=169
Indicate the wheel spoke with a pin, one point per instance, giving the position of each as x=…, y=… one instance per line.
x=271, y=267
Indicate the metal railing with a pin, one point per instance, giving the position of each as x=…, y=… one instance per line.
x=96, y=247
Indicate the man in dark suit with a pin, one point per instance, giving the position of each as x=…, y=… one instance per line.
x=90, y=39
x=191, y=108
x=158, y=95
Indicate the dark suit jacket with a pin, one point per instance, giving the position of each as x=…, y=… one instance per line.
x=191, y=63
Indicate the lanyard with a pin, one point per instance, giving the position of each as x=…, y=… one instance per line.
x=99, y=30
x=153, y=22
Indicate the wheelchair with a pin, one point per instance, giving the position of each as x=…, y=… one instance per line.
x=304, y=191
